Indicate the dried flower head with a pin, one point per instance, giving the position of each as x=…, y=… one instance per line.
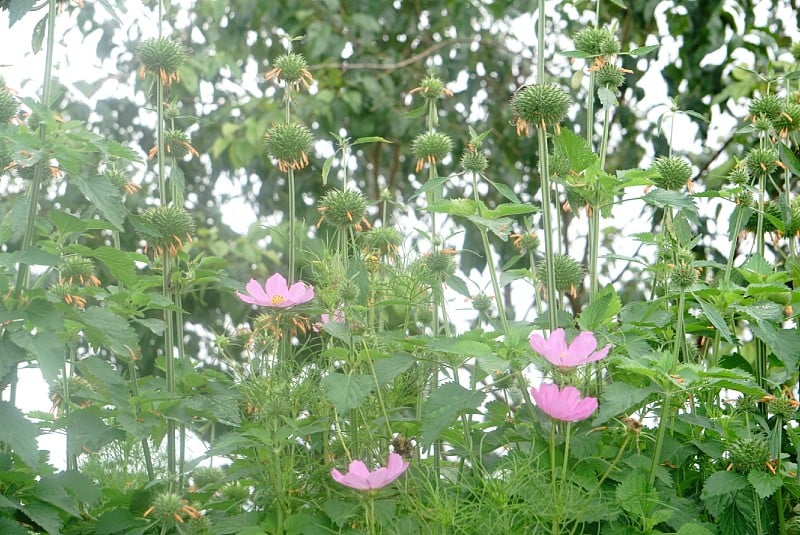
x=430, y=147
x=69, y=294
x=344, y=209
x=289, y=144
x=292, y=69
x=161, y=57
x=170, y=227
x=538, y=105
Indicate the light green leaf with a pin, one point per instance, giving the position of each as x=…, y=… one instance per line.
x=466, y=348
x=607, y=96
x=430, y=185
x=386, y=369
x=19, y=434
x=121, y=264
x=371, y=139
x=694, y=529
x=457, y=283
x=326, y=168
x=764, y=483
x=500, y=227
x=445, y=404
x=106, y=328
x=504, y=190
x=46, y=348
x=347, y=391
x=785, y=343
x=38, y=35
x=640, y=51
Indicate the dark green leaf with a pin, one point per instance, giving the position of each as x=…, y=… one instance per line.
x=38, y=35
x=445, y=404
x=620, y=399
x=505, y=191
x=104, y=195
x=370, y=139
x=721, y=483
x=19, y=434
x=326, y=168
x=106, y=328
x=121, y=264
x=602, y=309
x=18, y=9
x=785, y=343
x=46, y=348
x=641, y=51
x=764, y=483
x=716, y=320
x=386, y=369
x=463, y=347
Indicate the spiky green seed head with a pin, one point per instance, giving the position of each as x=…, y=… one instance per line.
x=749, y=453
x=289, y=144
x=767, y=106
x=162, y=57
x=596, y=41
x=609, y=75
x=474, y=161
x=78, y=270
x=5, y=157
x=684, y=275
x=8, y=106
x=744, y=198
x=559, y=164
x=739, y=175
x=431, y=148
x=763, y=124
x=349, y=291
x=343, y=209
x=235, y=492
x=783, y=407
x=172, y=111
x=177, y=143
x=539, y=105
x=527, y=243
x=384, y=241
x=166, y=506
x=293, y=68
x=208, y=476
x=789, y=119
x=794, y=226
x=673, y=172
x=568, y=273
x=761, y=162
x=172, y=226
x=440, y=264
x=79, y=390
x=771, y=209
x=482, y=303
x=432, y=87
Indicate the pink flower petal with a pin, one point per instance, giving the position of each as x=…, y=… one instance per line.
x=581, y=347
x=553, y=349
x=360, y=478
x=256, y=296
x=563, y=404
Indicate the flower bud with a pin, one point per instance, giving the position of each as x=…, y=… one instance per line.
x=538, y=105
x=343, y=209
x=568, y=273
x=289, y=144
x=161, y=57
x=171, y=225
x=674, y=172
x=431, y=147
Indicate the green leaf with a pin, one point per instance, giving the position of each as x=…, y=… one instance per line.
x=578, y=54
x=326, y=168
x=721, y=483
x=104, y=195
x=38, y=35
x=459, y=346
x=18, y=9
x=504, y=190
x=445, y=404
x=694, y=529
x=500, y=227
x=121, y=264
x=641, y=51
x=456, y=207
x=430, y=185
x=601, y=310
x=119, y=520
x=46, y=348
x=32, y=256
x=785, y=343
x=68, y=223
x=19, y=434
x=370, y=139
x=716, y=320
x=347, y=391
x=416, y=113
x=386, y=369
x=620, y=399
x=9, y=527
x=155, y=325
x=44, y=515
x=106, y=328
x=575, y=148
x=764, y=483
x=637, y=496
x=607, y=96
x=672, y=199
x=788, y=158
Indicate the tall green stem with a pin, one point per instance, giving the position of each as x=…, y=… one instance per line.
x=553, y=303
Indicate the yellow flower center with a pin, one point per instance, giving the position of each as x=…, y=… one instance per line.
x=278, y=299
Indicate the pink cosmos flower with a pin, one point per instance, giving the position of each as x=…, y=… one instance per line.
x=563, y=404
x=360, y=478
x=558, y=353
x=276, y=293
x=338, y=317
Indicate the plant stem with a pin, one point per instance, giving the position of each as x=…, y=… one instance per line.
x=566, y=453
x=549, y=249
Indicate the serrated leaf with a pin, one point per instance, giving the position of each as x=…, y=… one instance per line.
x=46, y=348
x=347, y=391
x=104, y=195
x=620, y=399
x=716, y=320
x=457, y=283
x=430, y=185
x=68, y=223
x=19, y=434
x=605, y=305
x=784, y=343
x=121, y=264
x=44, y=515
x=500, y=227
x=456, y=207
x=106, y=328
x=155, y=325
x=788, y=158
x=32, y=256
x=764, y=483
x=9, y=527
x=672, y=199
x=119, y=520
x=446, y=403
x=18, y=9
x=386, y=369
x=721, y=483
x=575, y=148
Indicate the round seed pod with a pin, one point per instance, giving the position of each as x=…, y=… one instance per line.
x=539, y=105
x=343, y=208
x=749, y=453
x=568, y=273
x=289, y=144
x=673, y=172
